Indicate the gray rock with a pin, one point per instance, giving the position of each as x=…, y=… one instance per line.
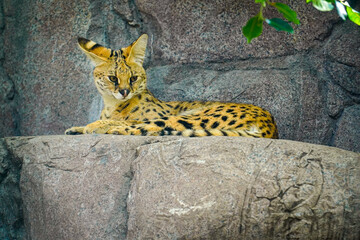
x=343, y=45
x=11, y=211
x=76, y=188
x=337, y=99
x=2, y=23
x=348, y=129
x=8, y=113
x=128, y=187
x=40, y=60
x=198, y=31
x=346, y=77
x=243, y=190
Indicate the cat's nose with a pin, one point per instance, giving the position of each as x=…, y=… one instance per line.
x=124, y=92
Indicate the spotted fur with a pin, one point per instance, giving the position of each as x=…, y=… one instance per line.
x=131, y=109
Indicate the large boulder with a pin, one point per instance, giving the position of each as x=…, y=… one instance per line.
x=127, y=187
x=196, y=51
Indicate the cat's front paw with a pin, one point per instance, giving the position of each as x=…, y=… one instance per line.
x=74, y=131
x=118, y=131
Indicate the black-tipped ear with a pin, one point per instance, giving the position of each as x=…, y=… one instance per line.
x=82, y=41
x=97, y=53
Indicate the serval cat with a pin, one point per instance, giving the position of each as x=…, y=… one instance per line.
x=131, y=109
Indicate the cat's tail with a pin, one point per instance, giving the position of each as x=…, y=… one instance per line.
x=210, y=132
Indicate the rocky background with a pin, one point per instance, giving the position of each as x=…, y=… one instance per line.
x=310, y=80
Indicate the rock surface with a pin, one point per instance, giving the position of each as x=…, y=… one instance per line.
x=126, y=187
x=196, y=52
x=11, y=205
x=196, y=31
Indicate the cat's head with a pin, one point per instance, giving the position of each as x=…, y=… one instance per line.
x=118, y=74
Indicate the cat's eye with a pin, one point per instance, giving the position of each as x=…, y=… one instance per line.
x=113, y=78
x=133, y=79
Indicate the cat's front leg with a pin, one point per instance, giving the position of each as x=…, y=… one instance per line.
x=75, y=131
x=105, y=127
x=99, y=127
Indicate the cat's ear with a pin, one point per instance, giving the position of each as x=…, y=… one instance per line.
x=136, y=51
x=97, y=53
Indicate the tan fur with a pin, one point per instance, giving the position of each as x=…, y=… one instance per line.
x=130, y=108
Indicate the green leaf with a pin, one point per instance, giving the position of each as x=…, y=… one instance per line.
x=263, y=2
x=286, y=11
x=353, y=15
x=341, y=10
x=279, y=25
x=322, y=5
x=253, y=27
x=331, y=1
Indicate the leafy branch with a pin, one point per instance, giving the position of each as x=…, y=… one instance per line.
x=254, y=26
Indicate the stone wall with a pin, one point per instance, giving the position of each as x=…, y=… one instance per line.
x=309, y=80
x=133, y=187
